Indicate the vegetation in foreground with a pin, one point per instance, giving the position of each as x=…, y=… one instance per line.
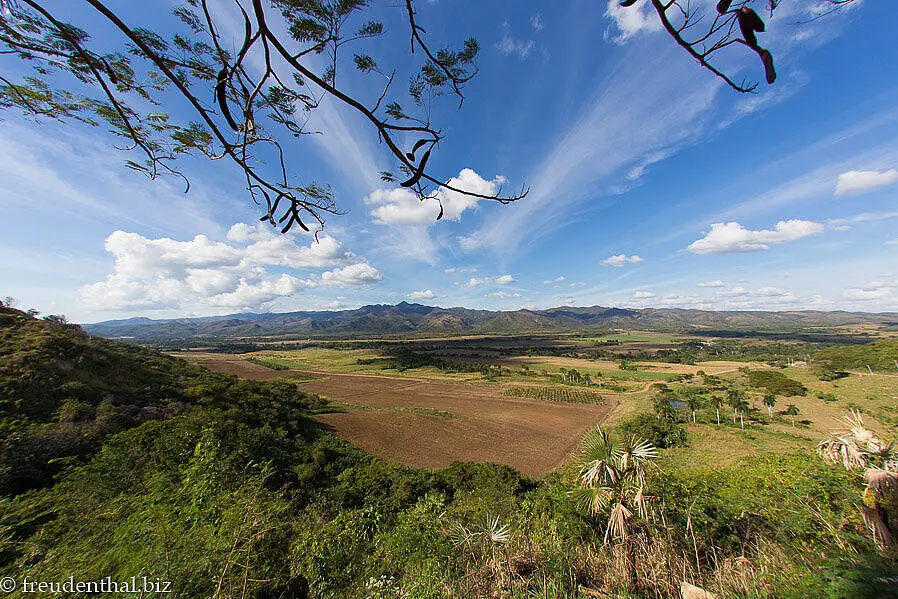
x=240, y=493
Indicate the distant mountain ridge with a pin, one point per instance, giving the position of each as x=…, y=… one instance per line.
x=409, y=319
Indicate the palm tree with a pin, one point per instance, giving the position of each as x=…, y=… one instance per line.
x=742, y=406
x=693, y=403
x=717, y=401
x=793, y=411
x=732, y=401
x=859, y=448
x=612, y=481
x=770, y=401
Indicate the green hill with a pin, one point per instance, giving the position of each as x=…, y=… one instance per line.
x=63, y=392
x=880, y=356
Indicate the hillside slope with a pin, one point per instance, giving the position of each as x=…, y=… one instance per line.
x=406, y=318
x=62, y=393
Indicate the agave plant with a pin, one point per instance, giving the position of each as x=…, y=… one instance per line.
x=613, y=480
x=859, y=448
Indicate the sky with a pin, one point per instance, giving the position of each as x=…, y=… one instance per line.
x=651, y=184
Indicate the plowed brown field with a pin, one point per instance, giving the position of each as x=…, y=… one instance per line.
x=482, y=424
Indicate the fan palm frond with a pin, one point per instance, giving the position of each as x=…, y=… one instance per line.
x=591, y=500
x=496, y=533
x=617, y=522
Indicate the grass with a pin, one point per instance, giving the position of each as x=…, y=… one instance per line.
x=331, y=360
x=272, y=363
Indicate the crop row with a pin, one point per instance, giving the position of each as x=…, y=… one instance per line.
x=560, y=394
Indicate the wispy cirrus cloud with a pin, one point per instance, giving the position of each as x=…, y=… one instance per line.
x=652, y=101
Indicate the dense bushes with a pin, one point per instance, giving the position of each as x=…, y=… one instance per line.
x=662, y=432
x=879, y=355
x=775, y=382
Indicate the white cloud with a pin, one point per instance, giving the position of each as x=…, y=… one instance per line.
x=874, y=290
x=893, y=241
x=557, y=279
x=423, y=294
x=643, y=294
x=536, y=21
x=631, y=20
x=503, y=294
x=165, y=273
x=248, y=295
x=500, y=280
x=853, y=182
x=733, y=237
x=717, y=283
x=354, y=274
x=400, y=206
x=453, y=269
x=508, y=44
x=620, y=260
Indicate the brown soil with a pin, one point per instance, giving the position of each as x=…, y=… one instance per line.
x=535, y=437
x=482, y=424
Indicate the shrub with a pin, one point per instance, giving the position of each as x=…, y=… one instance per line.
x=661, y=432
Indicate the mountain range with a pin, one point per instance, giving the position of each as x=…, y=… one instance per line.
x=416, y=319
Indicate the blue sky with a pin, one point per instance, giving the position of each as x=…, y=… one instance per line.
x=651, y=184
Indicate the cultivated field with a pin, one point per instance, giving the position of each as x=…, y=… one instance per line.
x=511, y=401
x=421, y=422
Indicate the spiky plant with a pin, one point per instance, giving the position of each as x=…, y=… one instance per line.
x=859, y=448
x=613, y=481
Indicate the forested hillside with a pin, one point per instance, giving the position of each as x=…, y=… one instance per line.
x=121, y=462
x=881, y=356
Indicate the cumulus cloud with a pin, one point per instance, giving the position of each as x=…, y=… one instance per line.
x=874, y=290
x=361, y=273
x=424, y=294
x=643, y=294
x=504, y=294
x=630, y=21
x=893, y=241
x=500, y=280
x=717, y=283
x=853, y=182
x=557, y=279
x=620, y=260
x=165, y=273
x=400, y=206
x=733, y=237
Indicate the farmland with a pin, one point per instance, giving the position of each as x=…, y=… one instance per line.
x=524, y=401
